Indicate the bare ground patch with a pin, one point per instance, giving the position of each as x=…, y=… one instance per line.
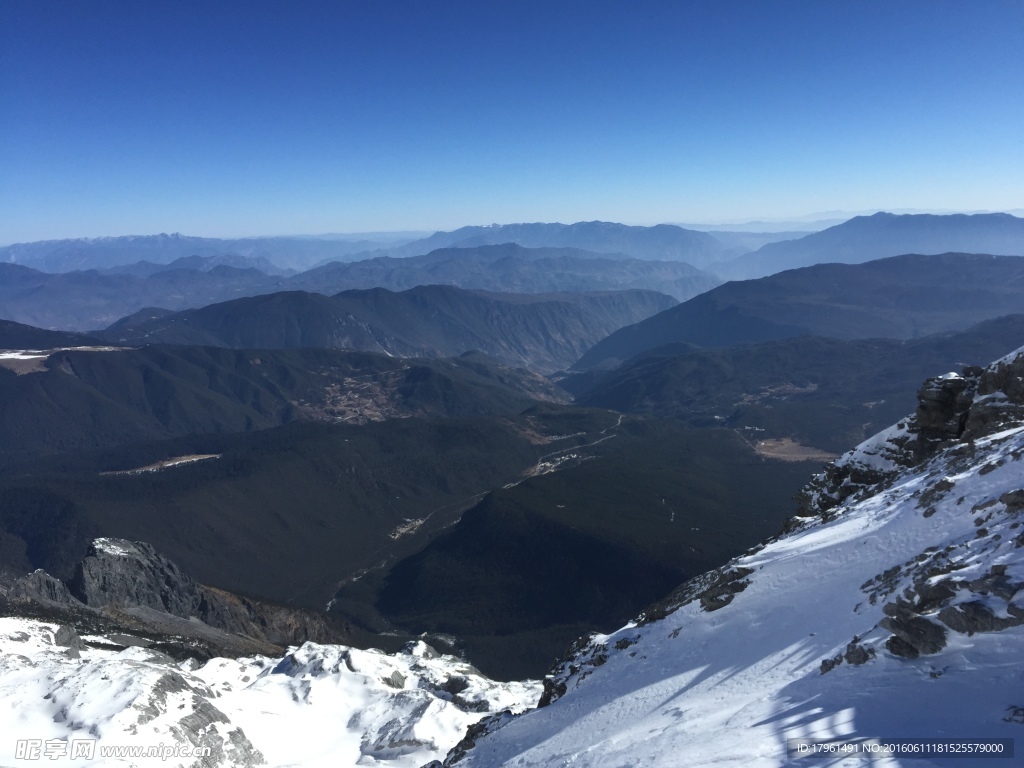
x=177, y=461
x=788, y=449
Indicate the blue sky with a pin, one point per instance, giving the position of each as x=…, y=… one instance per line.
x=247, y=118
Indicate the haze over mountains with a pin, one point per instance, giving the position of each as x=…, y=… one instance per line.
x=865, y=238
x=735, y=254
x=90, y=300
x=512, y=268
x=662, y=242
x=527, y=258
x=108, y=252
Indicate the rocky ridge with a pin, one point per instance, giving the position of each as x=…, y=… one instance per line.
x=954, y=408
x=131, y=587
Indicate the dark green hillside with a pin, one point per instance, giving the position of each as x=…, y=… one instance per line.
x=295, y=513
x=92, y=399
x=17, y=336
x=283, y=513
x=827, y=393
x=542, y=332
x=533, y=566
x=904, y=297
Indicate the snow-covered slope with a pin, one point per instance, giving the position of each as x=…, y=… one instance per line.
x=319, y=705
x=892, y=608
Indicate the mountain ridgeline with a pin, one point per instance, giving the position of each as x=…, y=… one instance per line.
x=543, y=332
x=20, y=336
x=112, y=252
x=95, y=299
x=865, y=238
x=512, y=268
x=83, y=301
x=664, y=242
x=902, y=297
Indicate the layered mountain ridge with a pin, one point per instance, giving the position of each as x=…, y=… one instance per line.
x=902, y=297
x=85, y=300
x=660, y=242
x=865, y=238
x=512, y=268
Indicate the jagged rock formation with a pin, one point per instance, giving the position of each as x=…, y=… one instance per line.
x=131, y=584
x=125, y=575
x=951, y=408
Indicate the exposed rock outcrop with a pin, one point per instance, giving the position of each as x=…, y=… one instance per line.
x=131, y=585
x=42, y=587
x=913, y=635
x=952, y=408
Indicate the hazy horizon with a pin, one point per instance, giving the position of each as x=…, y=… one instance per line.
x=256, y=119
x=810, y=222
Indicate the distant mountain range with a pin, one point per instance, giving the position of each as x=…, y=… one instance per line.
x=735, y=254
x=509, y=267
x=200, y=264
x=663, y=242
x=543, y=332
x=108, y=252
x=865, y=238
x=739, y=242
x=901, y=297
x=85, y=300
x=95, y=299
